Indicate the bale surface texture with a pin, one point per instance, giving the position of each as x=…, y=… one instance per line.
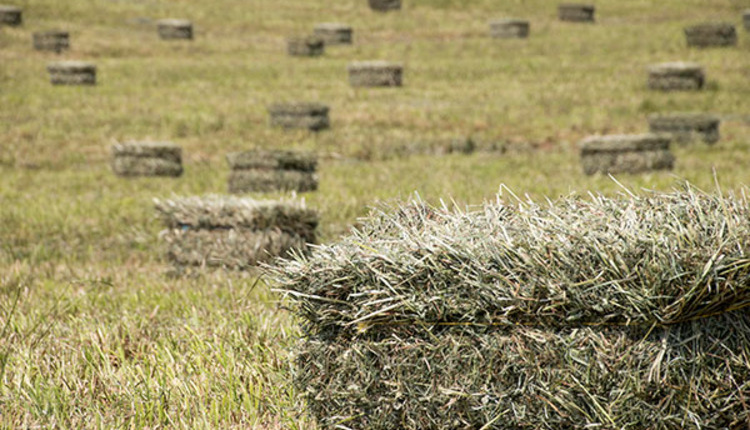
x=72, y=73
x=375, y=74
x=232, y=232
x=579, y=313
x=11, y=16
x=55, y=41
x=626, y=154
x=310, y=116
x=147, y=159
x=509, y=29
x=686, y=127
x=576, y=12
x=711, y=34
x=677, y=76
x=334, y=33
x=307, y=46
x=174, y=29
x=384, y=5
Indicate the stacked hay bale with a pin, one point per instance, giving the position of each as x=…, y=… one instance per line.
x=147, y=159
x=375, y=74
x=232, y=232
x=626, y=154
x=272, y=170
x=384, y=5
x=333, y=33
x=55, y=41
x=509, y=29
x=11, y=16
x=72, y=73
x=601, y=313
x=309, y=116
x=686, y=127
x=576, y=12
x=676, y=76
x=711, y=35
x=306, y=46
x=175, y=29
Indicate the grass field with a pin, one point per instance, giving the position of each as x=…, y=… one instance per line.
x=93, y=331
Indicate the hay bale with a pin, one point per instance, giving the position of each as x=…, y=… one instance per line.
x=579, y=313
x=307, y=46
x=55, y=41
x=626, y=154
x=232, y=232
x=509, y=29
x=147, y=159
x=677, y=76
x=746, y=19
x=686, y=127
x=334, y=33
x=711, y=35
x=272, y=170
x=310, y=116
x=72, y=73
x=384, y=5
x=375, y=74
x=10, y=16
x=175, y=29
x=576, y=12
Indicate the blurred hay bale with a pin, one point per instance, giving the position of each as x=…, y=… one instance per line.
x=333, y=33
x=306, y=46
x=310, y=116
x=384, y=5
x=375, y=74
x=10, y=16
x=576, y=12
x=272, y=170
x=746, y=19
x=509, y=29
x=72, y=73
x=174, y=29
x=686, y=127
x=676, y=76
x=626, y=154
x=711, y=35
x=234, y=232
x=147, y=159
x=55, y=41
x=578, y=313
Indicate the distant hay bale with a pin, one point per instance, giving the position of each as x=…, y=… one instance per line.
x=509, y=29
x=309, y=116
x=686, y=127
x=147, y=159
x=232, y=232
x=576, y=12
x=626, y=154
x=272, y=170
x=375, y=74
x=580, y=313
x=306, y=46
x=72, y=73
x=384, y=5
x=334, y=33
x=175, y=29
x=746, y=19
x=55, y=41
x=676, y=76
x=10, y=16
x=711, y=35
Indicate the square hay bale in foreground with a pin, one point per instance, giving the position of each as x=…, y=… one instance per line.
x=232, y=232
x=580, y=313
x=262, y=171
x=147, y=159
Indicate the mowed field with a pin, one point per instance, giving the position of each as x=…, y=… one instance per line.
x=95, y=333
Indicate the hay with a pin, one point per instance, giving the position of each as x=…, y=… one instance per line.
x=11, y=16
x=746, y=19
x=626, y=154
x=708, y=35
x=677, y=76
x=334, y=33
x=175, y=29
x=306, y=46
x=581, y=313
x=147, y=159
x=375, y=74
x=384, y=5
x=272, y=170
x=273, y=159
x=310, y=116
x=233, y=233
x=576, y=12
x=686, y=127
x=72, y=73
x=509, y=29
x=55, y=41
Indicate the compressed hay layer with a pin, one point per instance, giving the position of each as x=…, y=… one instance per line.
x=55, y=41
x=384, y=5
x=375, y=74
x=509, y=29
x=597, y=313
x=574, y=12
x=308, y=46
x=310, y=116
x=126, y=165
x=163, y=150
x=72, y=73
x=625, y=154
x=686, y=127
x=334, y=33
x=268, y=180
x=10, y=16
x=679, y=76
x=175, y=29
x=711, y=34
x=273, y=159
